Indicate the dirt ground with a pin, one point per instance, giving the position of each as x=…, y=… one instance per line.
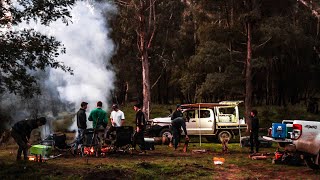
x=161, y=163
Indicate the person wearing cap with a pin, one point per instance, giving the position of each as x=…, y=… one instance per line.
x=81, y=123
x=116, y=119
x=140, y=127
x=177, y=121
x=21, y=132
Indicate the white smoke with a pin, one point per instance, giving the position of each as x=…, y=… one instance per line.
x=88, y=52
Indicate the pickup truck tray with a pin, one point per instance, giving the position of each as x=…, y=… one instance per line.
x=285, y=140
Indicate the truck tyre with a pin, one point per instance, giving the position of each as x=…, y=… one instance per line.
x=224, y=135
x=310, y=160
x=165, y=132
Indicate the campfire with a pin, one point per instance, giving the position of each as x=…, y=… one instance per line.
x=88, y=150
x=32, y=158
x=36, y=158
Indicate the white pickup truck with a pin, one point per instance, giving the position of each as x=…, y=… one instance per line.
x=211, y=120
x=306, y=140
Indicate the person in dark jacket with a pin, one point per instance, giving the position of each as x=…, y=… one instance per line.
x=140, y=127
x=254, y=131
x=177, y=121
x=21, y=132
x=81, y=123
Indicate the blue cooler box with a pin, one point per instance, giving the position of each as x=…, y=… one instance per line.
x=279, y=131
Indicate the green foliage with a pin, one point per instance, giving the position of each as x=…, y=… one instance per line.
x=25, y=51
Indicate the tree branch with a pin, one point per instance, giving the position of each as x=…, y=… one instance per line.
x=308, y=5
x=262, y=44
x=162, y=71
x=152, y=13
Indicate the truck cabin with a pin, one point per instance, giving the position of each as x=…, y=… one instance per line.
x=223, y=112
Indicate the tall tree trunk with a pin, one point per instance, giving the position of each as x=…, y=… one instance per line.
x=267, y=82
x=248, y=96
x=146, y=31
x=146, y=83
x=126, y=92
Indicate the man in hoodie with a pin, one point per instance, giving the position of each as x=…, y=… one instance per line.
x=81, y=123
x=178, y=122
x=21, y=132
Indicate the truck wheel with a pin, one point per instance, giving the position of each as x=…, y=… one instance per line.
x=165, y=132
x=311, y=161
x=224, y=135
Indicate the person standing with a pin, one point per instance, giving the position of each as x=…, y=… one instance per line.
x=116, y=119
x=81, y=123
x=254, y=131
x=177, y=121
x=117, y=116
x=140, y=127
x=98, y=117
x=21, y=132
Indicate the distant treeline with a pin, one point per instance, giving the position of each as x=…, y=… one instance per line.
x=199, y=52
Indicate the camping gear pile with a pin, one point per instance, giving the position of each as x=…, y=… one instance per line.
x=51, y=147
x=284, y=157
x=281, y=133
x=58, y=143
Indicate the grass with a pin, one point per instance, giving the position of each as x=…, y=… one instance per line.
x=162, y=163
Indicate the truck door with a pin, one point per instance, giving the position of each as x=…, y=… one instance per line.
x=200, y=122
x=191, y=122
x=205, y=123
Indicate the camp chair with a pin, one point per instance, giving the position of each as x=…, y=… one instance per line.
x=90, y=143
x=58, y=143
x=121, y=140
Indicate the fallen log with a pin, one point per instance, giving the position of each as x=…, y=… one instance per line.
x=259, y=157
x=199, y=151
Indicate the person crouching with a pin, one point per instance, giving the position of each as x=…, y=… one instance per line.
x=21, y=132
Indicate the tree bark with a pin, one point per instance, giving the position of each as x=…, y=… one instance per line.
x=146, y=84
x=310, y=5
x=146, y=31
x=248, y=95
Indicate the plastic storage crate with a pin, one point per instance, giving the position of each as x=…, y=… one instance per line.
x=42, y=150
x=279, y=131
